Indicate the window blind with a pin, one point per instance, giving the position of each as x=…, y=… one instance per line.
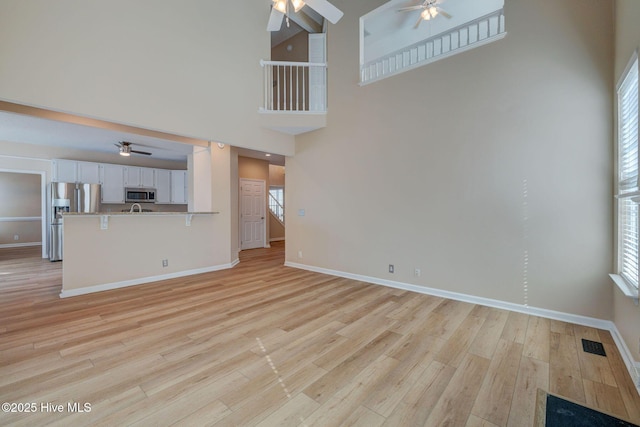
x=628, y=176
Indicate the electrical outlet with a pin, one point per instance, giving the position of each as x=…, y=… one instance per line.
x=165, y=263
x=417, y=272
x=391, y=268
x=16, y=237
x=299, y=254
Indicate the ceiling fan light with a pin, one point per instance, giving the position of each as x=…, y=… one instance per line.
x=433, y=11
x=425, y=15
x=280, y=5
x=297, y=5
x=124, y=153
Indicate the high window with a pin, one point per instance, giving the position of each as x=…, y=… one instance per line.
x=628, y=193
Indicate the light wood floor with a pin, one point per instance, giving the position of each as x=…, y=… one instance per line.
x=263, y=344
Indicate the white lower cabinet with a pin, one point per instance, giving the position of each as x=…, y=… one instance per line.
x=112, y=180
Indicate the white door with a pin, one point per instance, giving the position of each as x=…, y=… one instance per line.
x=252, y=213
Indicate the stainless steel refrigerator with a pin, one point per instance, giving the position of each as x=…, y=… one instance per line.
x=69, y=197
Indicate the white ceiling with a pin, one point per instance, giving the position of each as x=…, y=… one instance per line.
x=23, y=128
x=35, y=130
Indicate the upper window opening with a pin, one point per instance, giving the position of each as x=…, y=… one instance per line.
x=404, y=34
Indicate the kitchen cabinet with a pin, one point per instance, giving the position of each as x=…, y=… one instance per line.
x=74, y=171
x=88, y=173
x=112, y=180
x=179, y=187
x=139, y=177
x=171, y=186
x=162, y=184
x=64, y=171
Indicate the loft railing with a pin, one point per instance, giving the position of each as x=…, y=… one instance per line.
x=276, y=208
x=456, y=40
x=294, y=87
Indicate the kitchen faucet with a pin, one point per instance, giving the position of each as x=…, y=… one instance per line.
x=134, y=205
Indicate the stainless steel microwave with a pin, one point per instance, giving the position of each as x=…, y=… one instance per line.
x=140, y=195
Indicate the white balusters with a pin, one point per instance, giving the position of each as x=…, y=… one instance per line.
x=475, y=33
x=294, y=86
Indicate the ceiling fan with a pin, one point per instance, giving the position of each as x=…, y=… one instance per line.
x=125, y=149
x=430, y=9
x=282, y=8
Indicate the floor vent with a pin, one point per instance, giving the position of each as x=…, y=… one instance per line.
x=593, y=347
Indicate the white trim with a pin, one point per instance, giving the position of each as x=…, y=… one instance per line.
x=627, y=68
x=23, y=158
x=44, y=205
x=20, y=218
x=433, y=59
x=143, y=280
x=276, y=239
x=632, y=366
x=19, y=245
x=628, y=290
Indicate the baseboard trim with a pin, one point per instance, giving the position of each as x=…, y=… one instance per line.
x=277, y=239
x=144, y=280
x=632, y=366
x=20, y=245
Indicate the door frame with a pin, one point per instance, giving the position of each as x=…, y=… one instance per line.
x=264, y=210
x=44, y=211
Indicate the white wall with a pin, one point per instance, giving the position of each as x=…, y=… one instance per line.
x=431, y=169
x=186, y=67
x=132, y=248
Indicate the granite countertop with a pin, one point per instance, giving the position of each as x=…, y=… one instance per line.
x=135, y=213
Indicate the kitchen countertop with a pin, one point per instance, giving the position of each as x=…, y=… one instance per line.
x=135, y=213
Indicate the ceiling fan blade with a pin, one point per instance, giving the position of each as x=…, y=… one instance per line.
x=410, y=8
x=444, y=13
x=146, y=153
x=418, y=22
x=326, y=9
x=275, y=20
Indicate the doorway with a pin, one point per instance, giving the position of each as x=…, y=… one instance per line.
x=252, y=213
x=23, y=218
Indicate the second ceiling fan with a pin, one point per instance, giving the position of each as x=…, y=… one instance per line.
x=430, y=9
x=282, y=8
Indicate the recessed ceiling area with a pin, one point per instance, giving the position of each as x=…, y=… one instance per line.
x=39, y=131
x=23, y=128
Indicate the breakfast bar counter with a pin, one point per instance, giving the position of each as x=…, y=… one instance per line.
x=109, y=250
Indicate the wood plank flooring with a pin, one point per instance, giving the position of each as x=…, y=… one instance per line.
x=267, y=345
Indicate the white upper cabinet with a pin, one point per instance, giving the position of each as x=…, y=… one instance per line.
x=179, y=187
x=74, y=171
x=139, y=177
x=64, y=171
x=112, y=180
x=171, y=186
x=162, y=185
x=88, y=173
x=147, y=177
